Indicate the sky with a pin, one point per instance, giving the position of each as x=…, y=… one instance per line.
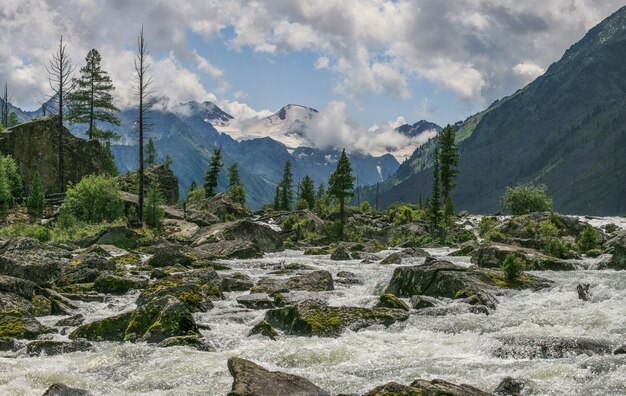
x=368, y=63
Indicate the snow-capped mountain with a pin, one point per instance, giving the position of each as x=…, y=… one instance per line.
x=287, y=126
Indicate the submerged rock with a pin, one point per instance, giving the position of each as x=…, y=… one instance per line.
x=49, y=347
x=509, y=386
x=193, y=341
x=256, y=301
x=236, y=282
x=618, y=260
x=265, y=329
x=341, y=253
x=64, y=390
x=419, y=302
x=390, y=301
x=583, y=291
x=548, y=347
x=621, y=350
x=250, y=379
x=315, y=318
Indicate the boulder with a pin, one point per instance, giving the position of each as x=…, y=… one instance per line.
x=30, y=259
x=236, y=282
x=256, y=301
x=265, y=329
x=193, y=341
x=237, y=239
x=341, y=253
x=153, y=322
x=179, y=230
x=49, y=347
x=444, y=279
x=118, y=236
x=195, y=293
x=509, y=386
x=72, y=321
x=314, y=281
x=422, y=387
x=347, y=278
x=64, y=390
x=172, y=255
x=20, y=325
x=391, y=301
x=492, y=255
x=620, y=350
x=84, y=269
x=114, y=284
x=419, y=302
x=250, y=379
x=317, y=251
x=315, y=318
x=544, y=347
x=618, y=260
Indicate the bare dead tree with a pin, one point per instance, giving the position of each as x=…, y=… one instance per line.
x=143, y=82
x=4, y=112
x=61, y=73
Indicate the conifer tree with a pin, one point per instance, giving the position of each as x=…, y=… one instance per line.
x=435, y=198
x=154, y=200
x=151, y=153
x=286, y=187
x=167, y=162
x=36, y=198
x=92, y=101
x=307, y=192
x=341, y=184
x=235, y=185
x=193, y=186
x=277, y=198
x=448, y=159
x=4, y=111
x=213, y=172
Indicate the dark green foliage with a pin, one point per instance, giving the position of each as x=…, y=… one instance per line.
x=341, y=183
x=4, y=112
x=448, y=159
x=526, y=198
x=154, y=213
x=513, y=267
x=588, y=239
x=109, y=161
x=95, y=199
x=405, y=213
x=36, y=198
x=151, y=153
x=13, y=178
x=213, y=172
x=167, y=163
x=435, y=198
x=286, y=187
x=13, y=120
x=277, y=199
x=307, y=192
x=193, y=186
x=92, y=101
x=235, y=185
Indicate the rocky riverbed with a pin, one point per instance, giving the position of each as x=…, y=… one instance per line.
x=166, y=319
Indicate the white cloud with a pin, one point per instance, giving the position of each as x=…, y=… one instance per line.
x=528, y=70
x=322, y=63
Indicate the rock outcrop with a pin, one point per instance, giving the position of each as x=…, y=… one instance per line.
x=35, y=147
x=165, y=177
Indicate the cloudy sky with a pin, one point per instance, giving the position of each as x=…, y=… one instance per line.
x=372, y=62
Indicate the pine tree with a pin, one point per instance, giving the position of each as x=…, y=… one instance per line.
x=61, y=71
x=449, y=159
x=151, y=153
x=235, y=185
x=92, y=101
x=167, y=162
x=5, y=191
x=341, y=184
x=435, y=198
x=213, y=172
x=36, y=198
x=286, y=187
x=154, y=211
x=13, y=120
x=193, y=186
x=307, y=192
x=4, y=111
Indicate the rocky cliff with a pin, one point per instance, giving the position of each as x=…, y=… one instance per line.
x=34, y=146
x=165, y=177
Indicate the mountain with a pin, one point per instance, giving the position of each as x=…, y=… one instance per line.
x=287, y=126
x=566, y=129
x=418, y=128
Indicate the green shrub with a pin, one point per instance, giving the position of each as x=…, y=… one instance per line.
x=588, y=239
x=95, y=199
x=154, y=213
x=36, y=201
x=486, y=224
x=556, y=247
x=494, y=235
x=513, y=267
x=526, y=198
x=547, y=229
x=13, y=177
x=196, y=199
x=404, y=214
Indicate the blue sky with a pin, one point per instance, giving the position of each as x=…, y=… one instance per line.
x=374, y=60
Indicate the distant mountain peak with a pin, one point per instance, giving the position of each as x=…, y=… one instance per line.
x=417, y=128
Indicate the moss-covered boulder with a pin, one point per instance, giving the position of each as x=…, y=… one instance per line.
x=315, y=281
x=317, y=251
x=390, y=301
x=618, y=260
x=444, y=279
x=173, y=254
x=236, y=282
x=422, y=387
x=20, y=325
x=191, y=341
x=153, y=322
x=492, y=255
x=314, y=318
x=251, y=379
x=341, y=253
x=84, y=268
x=115, y=284
x=265, y=329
